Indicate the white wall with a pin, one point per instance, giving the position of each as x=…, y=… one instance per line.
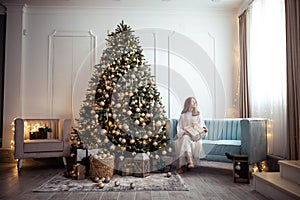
x=46, y=73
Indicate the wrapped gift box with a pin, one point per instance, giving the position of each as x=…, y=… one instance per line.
x=78, y=172
x=125, y=166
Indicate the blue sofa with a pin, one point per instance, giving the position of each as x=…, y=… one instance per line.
x=246, y=136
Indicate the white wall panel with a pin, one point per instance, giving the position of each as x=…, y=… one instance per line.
x=62, y=77
x=71, y=67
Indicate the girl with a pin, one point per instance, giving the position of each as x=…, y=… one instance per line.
x=186, y=147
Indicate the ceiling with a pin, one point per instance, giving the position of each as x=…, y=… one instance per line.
x=171, y=4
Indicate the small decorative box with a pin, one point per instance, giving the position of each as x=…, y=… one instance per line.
x=78, y=171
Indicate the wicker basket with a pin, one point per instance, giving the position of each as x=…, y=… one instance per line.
x=102, y=167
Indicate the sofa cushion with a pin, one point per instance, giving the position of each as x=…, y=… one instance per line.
x=223, y=129
x=46, y=145
x=223, y=142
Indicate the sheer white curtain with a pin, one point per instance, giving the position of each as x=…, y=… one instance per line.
x=267, y=69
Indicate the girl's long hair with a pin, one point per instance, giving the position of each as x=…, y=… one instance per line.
x=187, y=104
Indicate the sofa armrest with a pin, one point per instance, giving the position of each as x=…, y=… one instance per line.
x=254, y=139
x=19, y=138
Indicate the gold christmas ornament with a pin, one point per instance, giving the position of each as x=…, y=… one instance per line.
x=169, y=174
x=132, y=185
x=106, y=140
x=107, y=179
x=145, y=136
x=112, y=147
x=132, y=141
x=101, y=185
x=158, y=123
x=103, y=132
x=126, y=127
x=123, y=141
x=117, y=183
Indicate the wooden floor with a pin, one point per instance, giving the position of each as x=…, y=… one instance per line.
x=205, y=182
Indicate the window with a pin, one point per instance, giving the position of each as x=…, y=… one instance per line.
x=267, y=69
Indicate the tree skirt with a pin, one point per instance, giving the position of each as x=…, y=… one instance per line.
x=154, y=182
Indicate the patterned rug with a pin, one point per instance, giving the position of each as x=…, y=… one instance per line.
x=154, y=182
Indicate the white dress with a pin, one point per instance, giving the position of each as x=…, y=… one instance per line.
x=184, y=144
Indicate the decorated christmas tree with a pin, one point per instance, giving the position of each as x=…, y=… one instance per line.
x=123, y=112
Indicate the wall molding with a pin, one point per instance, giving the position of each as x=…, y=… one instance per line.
x=50, y=70
x=54, y=10
x=213, y=39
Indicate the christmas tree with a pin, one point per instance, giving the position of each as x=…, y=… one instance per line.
x=123, y=111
